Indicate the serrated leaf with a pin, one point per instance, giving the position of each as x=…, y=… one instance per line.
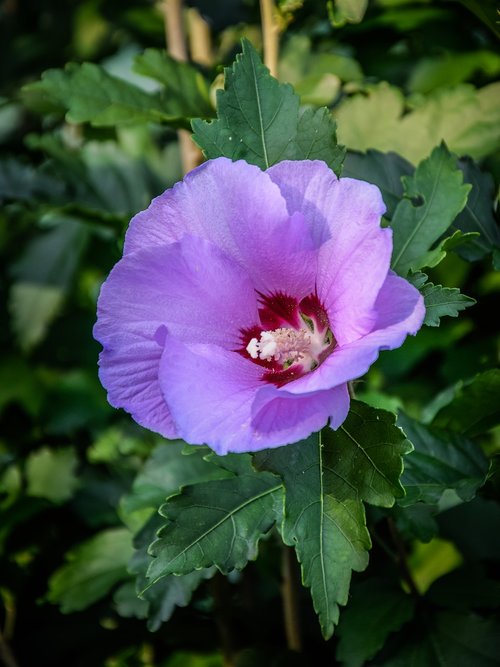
x=435, y=195
x=478, y=214
x=164, y=473
x=158, y=601
x=388, y=609
x=475, y=407
x=326, y=478
x=433, y=257
x=440, y=461
x=93, y=568
x=383, y=170
x=215, y=523
x=258, y=120
x=185, y=88
x=92, y=95
x=440, y=301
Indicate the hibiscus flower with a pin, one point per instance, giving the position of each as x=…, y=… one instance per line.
x=245, y=302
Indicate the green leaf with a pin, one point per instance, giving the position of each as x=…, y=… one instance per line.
x=91, y=571
x=165, y=595
x=486, y=11
x=466, y=118
x=24, y=182
x=449, y=638
x=326, y=478
x=478, y=214
x=92, y=95
x=185, y=88
x=258, y=120
x=341, y=12
x=439, y=462
x=383, y=170
x=440, y=301
x=435, y=195
x=219, y=523
x=51, y=474
x=476, y=406
x=435, y=256
x=164, y=473
x=388, y=609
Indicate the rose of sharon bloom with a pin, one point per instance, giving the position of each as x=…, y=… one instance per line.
x=246, y=300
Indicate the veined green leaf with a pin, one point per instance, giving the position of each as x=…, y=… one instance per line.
x=388, y=608
x=217, y=523
x=258, y=120
x=439, y=301
x=326, y=478
x=475, y=407
x=440, y=461
x=435, y=196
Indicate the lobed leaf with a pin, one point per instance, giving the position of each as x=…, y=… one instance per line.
x=440, y=461
x=326, y=478
x=475, y=407
x=387, y=610
x=440, y=301
x=218, y=522
x=435, y=196
x=258, y=120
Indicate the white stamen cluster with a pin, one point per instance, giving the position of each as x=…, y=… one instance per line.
x=284, y=345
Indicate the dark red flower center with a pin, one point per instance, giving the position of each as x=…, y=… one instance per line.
x=293, y=338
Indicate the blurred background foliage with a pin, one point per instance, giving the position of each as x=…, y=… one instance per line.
x=78, y=480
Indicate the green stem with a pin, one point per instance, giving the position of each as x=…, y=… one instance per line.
x=6, y=655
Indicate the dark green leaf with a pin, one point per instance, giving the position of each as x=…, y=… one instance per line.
x=165, y=595
x=93, y=568
x=218, y=523
x=164, y=473
x=435, y=195
x=475, y=407
x=259, y=121
x=440, y=301
x=440, y=461
x=186, y=91
x=449, y=638
x=416, y=521
x=326, y=478
x=478, y=541
x=24, y=182
x=478, y=214
x=376, y=609
x=92, y=95
x=383, y=170
x=316, y=139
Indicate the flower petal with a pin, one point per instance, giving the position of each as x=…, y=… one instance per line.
x=348, y=286
x=237, y=207
x=354, y=257
x=210, y=392
x=189, y=286
x=286, y=417
x=400, y=311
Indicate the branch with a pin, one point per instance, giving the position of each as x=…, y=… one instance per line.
x=6, y=655
x=290, y=594
x=270, y=35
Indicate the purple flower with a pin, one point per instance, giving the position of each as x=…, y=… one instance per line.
x=246, y=300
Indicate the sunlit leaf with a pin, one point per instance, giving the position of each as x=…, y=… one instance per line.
x=51, y=474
